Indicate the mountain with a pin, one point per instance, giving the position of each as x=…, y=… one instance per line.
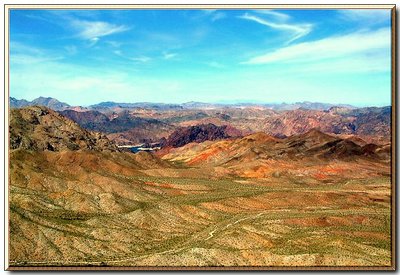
x=200, y=133
x=17, y=103
x=307, y=105
x=373, y=124
x=110, y=105
x=39, y=128
x=310, y=199
x=123, y=128
x=244, y=156
x=128, y=123
x=371, y=120
x=274, y=106
x=88, y=119
x=146, y=105
x=49, y=102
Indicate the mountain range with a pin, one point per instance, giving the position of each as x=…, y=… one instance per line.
x=214, y=195
x=134, y=123
x=57, y=105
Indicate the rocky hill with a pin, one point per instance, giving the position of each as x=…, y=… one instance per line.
x=249, y=153
x=200, y=133
x=41, y=129
x=91, y=120
x=123, y=128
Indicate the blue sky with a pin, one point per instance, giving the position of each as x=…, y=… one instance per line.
x=84, y=57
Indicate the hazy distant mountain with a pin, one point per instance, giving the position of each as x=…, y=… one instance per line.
x=279, y=106
x=147, y=105
x=48, y=102
x=17, y=103
x=109, y=105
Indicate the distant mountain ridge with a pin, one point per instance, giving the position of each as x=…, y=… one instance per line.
x=133, y=123
x=148, y=105
x=57, y=105
x=48, y=102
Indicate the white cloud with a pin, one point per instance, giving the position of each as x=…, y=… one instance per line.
x=297, y=30
x=218, y=16
x=356, y=64
x=332, y=47
x=277, y=15
x=93, y=30
x=25, y=59
x=209, y=11
x=366, y=16
x=141, y=59
x=81, y=85
x=93, y=41
x=26, y=55
x=169, y=55
x=114, y=44
x=17, y=47
x=213, y=14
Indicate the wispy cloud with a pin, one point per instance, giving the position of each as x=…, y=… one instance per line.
x=93, y=30
x=138, y=59
x=167, y=56
x=93, y=41
x=79, y=85
x=18, y=47
x=337, y=46
x=218, y=16
x=366, y=16
x=24, y=59
x=213, y=14
x=209, y=11
x=277, y=15
x=26, y=55
x=114, y=44
x=297, y=30
x=142, y=59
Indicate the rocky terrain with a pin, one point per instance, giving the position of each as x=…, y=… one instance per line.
x=200, y=133
x=39, y=129
x=133, y=123
x=261, y=155
x=124, y=128
x=225, y=197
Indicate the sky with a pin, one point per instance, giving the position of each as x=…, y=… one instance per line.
x=84, y=57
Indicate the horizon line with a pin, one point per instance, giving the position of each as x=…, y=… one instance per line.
x=227, y=103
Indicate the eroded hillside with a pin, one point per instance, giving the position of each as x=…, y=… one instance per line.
x=306, y=200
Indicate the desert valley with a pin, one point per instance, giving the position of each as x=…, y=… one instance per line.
x=199, y=184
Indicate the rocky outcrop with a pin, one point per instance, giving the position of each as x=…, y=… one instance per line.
x=200, y=133
x=38, y=128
